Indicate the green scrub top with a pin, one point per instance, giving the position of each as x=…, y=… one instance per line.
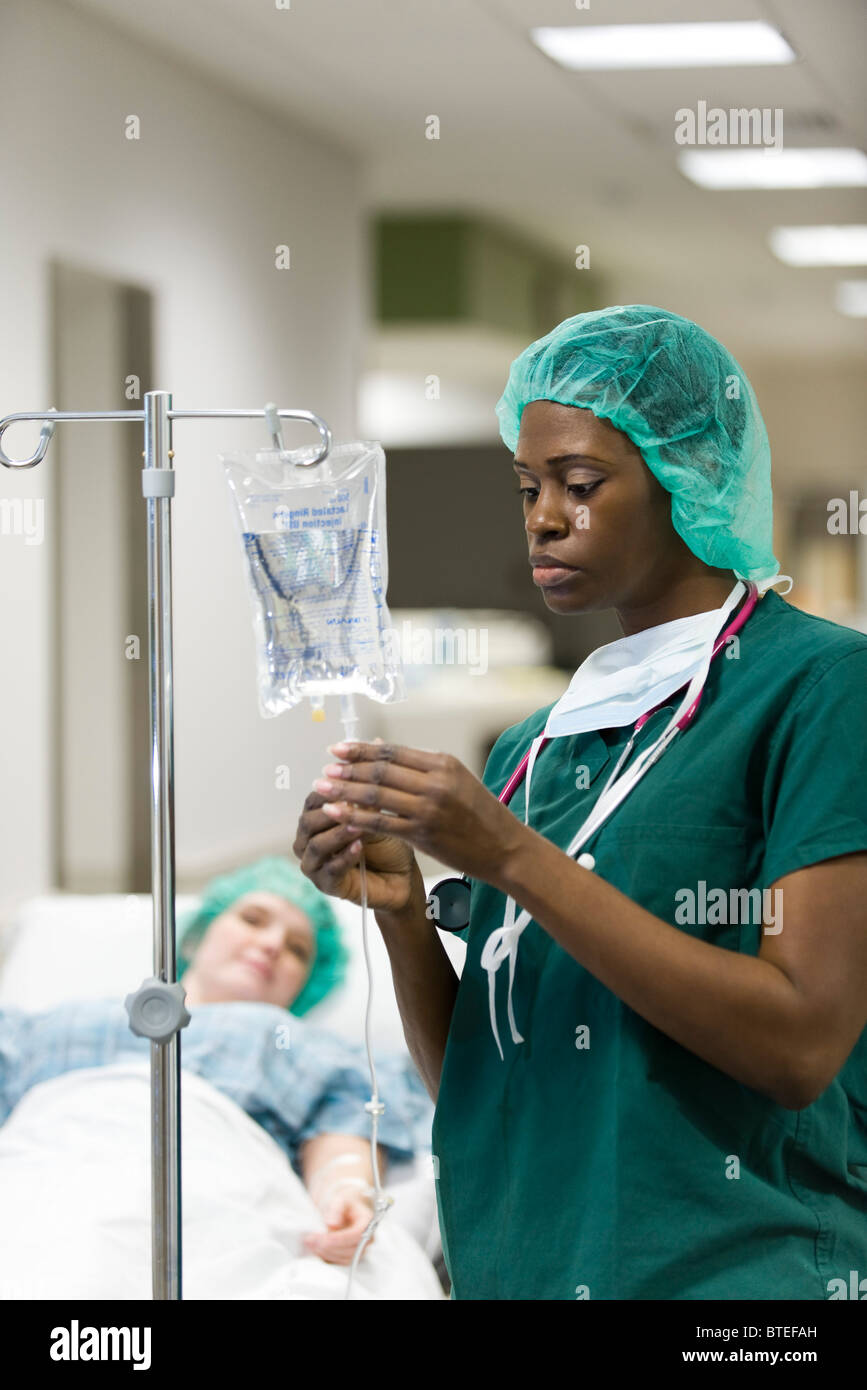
x=601, y=1159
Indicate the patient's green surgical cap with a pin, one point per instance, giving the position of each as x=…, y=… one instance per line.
x=273, y=875
x=684, y=402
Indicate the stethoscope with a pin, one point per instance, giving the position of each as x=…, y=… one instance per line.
x=448, y=903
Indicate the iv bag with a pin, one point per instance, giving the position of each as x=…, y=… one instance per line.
x=316, y=552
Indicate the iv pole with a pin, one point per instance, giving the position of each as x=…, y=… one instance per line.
x=156, y=1009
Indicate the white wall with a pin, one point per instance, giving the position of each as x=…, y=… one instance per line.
x=193, y=211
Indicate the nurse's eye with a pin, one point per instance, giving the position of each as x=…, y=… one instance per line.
x=580, y=489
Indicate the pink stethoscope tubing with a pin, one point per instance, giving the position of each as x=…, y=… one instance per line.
x=685, y=720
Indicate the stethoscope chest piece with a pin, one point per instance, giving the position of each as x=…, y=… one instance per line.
x=448, y=904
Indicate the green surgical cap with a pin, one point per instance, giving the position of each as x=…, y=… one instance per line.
x=685, y=403
x=273, y=875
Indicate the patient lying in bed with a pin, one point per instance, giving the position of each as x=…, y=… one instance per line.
x=277, y=1172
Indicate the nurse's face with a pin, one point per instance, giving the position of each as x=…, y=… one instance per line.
x=591, y=502
x=261, y=948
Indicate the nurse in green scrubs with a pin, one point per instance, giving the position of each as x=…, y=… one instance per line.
x=685, y=1113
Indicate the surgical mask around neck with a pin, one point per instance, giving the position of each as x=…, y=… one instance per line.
x=623, y=680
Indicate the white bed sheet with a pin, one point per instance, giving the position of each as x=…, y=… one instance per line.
x=75, y=1202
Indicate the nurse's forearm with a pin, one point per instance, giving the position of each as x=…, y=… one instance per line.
x=425, y=985
x=739, y=1013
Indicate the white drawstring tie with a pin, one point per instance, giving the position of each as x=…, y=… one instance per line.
x=501, y=945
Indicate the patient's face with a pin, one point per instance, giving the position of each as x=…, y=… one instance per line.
x=261, y=948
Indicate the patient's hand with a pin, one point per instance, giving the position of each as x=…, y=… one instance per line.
x=347, y=1218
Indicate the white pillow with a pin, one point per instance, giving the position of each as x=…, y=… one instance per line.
x=67, y=946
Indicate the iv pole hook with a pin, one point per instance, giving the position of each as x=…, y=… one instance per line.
x=44, y=440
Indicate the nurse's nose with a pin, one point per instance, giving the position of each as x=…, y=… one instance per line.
x=547, y=515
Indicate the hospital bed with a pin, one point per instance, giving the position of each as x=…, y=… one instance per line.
x=64, y=947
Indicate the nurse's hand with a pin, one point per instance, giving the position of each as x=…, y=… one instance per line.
x=427, y=800
x=330, y=856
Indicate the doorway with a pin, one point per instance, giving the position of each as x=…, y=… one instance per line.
x=102, y=359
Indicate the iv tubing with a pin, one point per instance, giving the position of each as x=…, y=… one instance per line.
x=381, y=1200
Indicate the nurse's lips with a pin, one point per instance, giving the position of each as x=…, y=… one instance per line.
x=548, y=570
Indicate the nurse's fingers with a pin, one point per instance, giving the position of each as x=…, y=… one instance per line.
x=413, y=788
x=377, y=822
x=317, y=835
x=331, y=859
x=415, y=759
x=382, y=774
x=329, y=847
x=371, y=796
